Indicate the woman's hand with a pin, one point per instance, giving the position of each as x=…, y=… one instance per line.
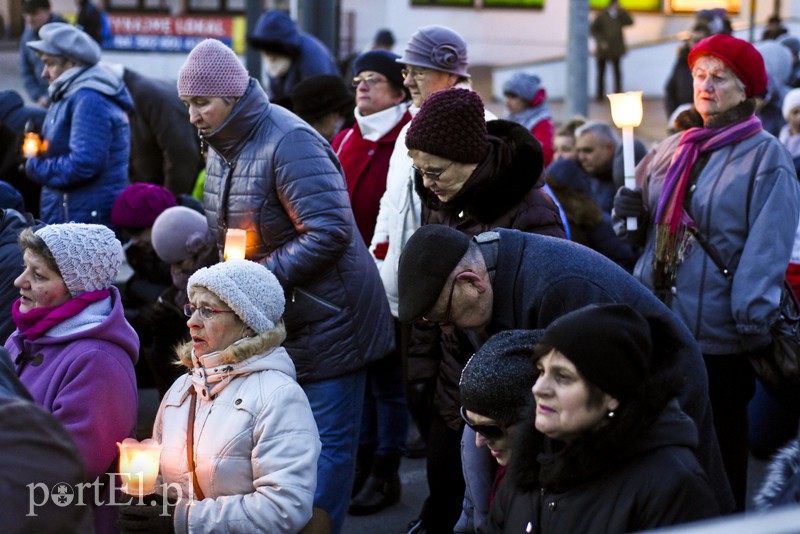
x=154, y=515
x=628, y=203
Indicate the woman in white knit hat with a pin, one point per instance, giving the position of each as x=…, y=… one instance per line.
x=254, y=445
x=73, y=348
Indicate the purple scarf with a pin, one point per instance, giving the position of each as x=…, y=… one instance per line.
x=37, y=321
x=671, y=218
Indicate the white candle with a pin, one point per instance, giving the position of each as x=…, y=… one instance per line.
x=30, y=146
x=138, y=465
x=235, y=244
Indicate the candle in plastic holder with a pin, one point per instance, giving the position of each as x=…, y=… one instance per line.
x=138, y=465
x=235, y=244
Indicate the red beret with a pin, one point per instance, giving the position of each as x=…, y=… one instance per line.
x=742, y=57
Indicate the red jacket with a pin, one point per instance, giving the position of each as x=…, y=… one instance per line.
x=365, y=165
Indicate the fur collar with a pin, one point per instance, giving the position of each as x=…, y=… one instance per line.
x=781, y=472
x=736, y=114
x=239, y=352
x=508, y=172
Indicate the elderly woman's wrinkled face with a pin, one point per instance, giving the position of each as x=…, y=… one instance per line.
x=374, y=93
x=497, y=441
x=54, y=66
x=716, y=87
x=219, y=330
x=422, y=82
x=207, y=113
x=564, y=408
x=443, y=177
x=39, y=285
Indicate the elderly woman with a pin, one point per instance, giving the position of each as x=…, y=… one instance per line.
x=85, y=166
x=73, y=348
x=727, y=189
x=609, y=450
x=495, y=390
x=249, y=427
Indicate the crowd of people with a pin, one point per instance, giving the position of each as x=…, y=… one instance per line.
x=416, y=275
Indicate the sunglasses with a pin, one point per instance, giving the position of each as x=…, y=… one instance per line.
x=490, y=432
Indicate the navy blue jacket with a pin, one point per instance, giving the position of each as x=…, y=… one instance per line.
x=273, y=175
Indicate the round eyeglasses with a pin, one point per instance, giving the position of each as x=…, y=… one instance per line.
x=206, y=313
x=415, y=73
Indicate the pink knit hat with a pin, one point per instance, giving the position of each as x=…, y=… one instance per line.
x=212, y=69
x=139, y=204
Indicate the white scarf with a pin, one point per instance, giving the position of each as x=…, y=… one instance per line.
x=373, y=127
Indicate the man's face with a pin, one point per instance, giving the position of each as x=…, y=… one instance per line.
x=461, y=304
x=36, y=19
x=594, y=153
x=422, y=82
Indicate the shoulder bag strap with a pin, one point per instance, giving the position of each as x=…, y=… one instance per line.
x=198, y=493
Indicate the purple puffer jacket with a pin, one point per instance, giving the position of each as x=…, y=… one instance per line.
x=82, y=372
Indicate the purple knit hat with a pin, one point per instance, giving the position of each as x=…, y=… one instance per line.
x=212, y=69
x=450, y=124
x=139, y=204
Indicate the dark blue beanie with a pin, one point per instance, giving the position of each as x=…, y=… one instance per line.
x=382, y=62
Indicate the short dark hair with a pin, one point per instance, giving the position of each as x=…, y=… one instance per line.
x=595, y=393
x=28, y=240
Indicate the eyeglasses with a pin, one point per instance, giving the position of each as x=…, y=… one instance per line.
x=433, y=176
x=370, y=80
x=415, y=73
x=446, y=319
x=206, y=313
x=490, y=432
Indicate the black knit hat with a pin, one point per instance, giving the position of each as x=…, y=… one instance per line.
x=319, y=95
x=426, y=262
x=383, y=62
x=609, y=344
x=497, y=380
x=450, y=124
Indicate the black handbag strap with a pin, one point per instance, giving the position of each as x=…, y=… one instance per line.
x=198, y=493
x=712, y=252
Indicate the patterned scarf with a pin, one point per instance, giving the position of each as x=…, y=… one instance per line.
x=671, y=217
x=36, y=322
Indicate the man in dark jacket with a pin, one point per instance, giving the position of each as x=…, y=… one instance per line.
x=36, y=13
x=506, y=280
x=12, y=222
x=165, y=149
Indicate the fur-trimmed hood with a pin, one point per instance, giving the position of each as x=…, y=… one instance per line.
x=511, y=168
x=782, y=481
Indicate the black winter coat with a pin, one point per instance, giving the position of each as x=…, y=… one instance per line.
x=503, y=192
x=633, y=482
x=539, y=279
x=271, y=174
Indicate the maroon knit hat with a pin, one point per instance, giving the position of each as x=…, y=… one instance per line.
x=450, y=124
x=742, y=57
x=212, y=69
x=139, y=204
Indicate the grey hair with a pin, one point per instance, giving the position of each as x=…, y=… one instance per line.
x=601, y=129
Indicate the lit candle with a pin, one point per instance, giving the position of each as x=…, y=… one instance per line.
x=235, y=244
x=31, y=145
x=627, y=112
x=138, y=465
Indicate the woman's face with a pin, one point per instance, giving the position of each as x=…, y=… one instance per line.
x=374, y=93
x=716, y=87
x=564, y=148
x=794, y=120
x=422, y=82
x=514, y=104
x=39, y=285
x=219, y=331
x=443, y=177
x=563, y=410
x=54, y=67
x=207, y=113
x=499, y=446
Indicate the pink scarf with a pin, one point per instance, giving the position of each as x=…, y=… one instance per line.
x=671, y=217
x=37, y=321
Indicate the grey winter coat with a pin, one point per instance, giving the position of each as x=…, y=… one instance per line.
x=271, y=174
x=746, y=204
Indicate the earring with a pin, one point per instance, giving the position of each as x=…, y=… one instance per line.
x=611, y=414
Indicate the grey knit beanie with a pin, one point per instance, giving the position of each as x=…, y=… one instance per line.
x=497, y=380
x=250, y=289
x=212, y=69
x=88, y=256
x=524, y=85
